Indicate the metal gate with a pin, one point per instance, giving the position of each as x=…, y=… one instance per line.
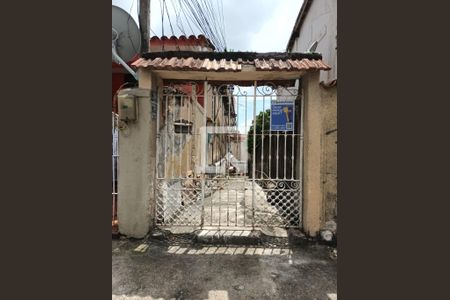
x=217, y=166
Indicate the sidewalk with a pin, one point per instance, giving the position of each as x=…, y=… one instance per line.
x=179, y=269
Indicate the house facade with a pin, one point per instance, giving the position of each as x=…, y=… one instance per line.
x=182, y=156
x=167, y=174
x=184, y=113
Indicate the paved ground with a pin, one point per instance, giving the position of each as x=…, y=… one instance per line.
x=232, y=205
x=229, y=203
x=179, y=269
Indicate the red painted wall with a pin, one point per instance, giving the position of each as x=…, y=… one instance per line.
x=118, y=79
x=187, y=89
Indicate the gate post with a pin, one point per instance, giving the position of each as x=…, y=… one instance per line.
x=312, y=186
x=136, y=168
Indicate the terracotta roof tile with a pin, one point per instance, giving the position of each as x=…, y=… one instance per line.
x=207, y=64
x=201, y=61
x=181, y=42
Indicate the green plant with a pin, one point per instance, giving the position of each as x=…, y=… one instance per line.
x=264, y=115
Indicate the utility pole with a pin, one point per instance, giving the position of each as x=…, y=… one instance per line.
x=144, y=23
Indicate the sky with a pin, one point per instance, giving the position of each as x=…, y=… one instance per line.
x=250, y=25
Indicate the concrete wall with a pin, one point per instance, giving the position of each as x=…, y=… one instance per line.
x=218, y=147
x=329, y=154
x=320, y=24
x=136, y=167
x=312, y=156
x=320, y=155
x=181, y=151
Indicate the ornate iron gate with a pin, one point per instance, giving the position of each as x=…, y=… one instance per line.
x=217, y=166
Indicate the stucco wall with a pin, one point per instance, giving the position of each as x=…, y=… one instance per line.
x=136, y=166
x=329, y=154
x=320, y=24
x=176, y=163
x=312, y=155
x=320, y=155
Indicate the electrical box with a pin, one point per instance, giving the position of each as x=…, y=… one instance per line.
x=127, y=107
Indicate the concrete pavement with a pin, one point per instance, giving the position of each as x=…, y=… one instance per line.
x=180, y=269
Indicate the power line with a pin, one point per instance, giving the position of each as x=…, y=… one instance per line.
x=222, y=21
x=168, y=17
x=128, y=26
x=206, y=15
x=162, y=23
x=186, y=17
x=170, y=23
x=211, y=21
x=214, y=21
x=218, y=25
x=194, y=17
x=203, y=15
x=177, y=18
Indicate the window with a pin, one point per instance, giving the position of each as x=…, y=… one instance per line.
x=183, y=126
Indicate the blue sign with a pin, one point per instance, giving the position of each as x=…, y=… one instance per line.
x=282, y=116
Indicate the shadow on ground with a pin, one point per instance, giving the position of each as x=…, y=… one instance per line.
x=181, y=269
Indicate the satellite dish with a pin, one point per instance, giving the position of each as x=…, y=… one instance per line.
x=313, y=47
x=126, y=38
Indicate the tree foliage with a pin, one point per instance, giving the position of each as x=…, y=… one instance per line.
x=264, y=115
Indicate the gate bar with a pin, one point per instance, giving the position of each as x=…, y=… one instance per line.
x=166, y=140
x=240, y=158
x=158, y=150
x=254, y=155
x=293, y=142
x=262, y=139
x=270, y=141
x=245, y=106
x=278, y=156
x=172, y=131
x=228, y=151
x=158, y=137
x=180, y=135
x=302, y=107
x=205, y=162
x=285, y=141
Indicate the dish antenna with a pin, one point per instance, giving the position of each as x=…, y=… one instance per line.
x=126, y=38
x=313, y=47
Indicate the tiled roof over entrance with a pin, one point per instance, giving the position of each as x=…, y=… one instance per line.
x=181, y=43
x=230, y=61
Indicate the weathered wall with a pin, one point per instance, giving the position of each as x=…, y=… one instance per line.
x=320, y=24
x=136, y=167
x=329, y=154
x=217, y=112
x=312, y=155
x=180, y=151
x=320, y=155
x=190, y=146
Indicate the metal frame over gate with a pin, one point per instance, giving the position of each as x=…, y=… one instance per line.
x=216, y=166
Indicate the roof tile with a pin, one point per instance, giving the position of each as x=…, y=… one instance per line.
x=198, y=64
